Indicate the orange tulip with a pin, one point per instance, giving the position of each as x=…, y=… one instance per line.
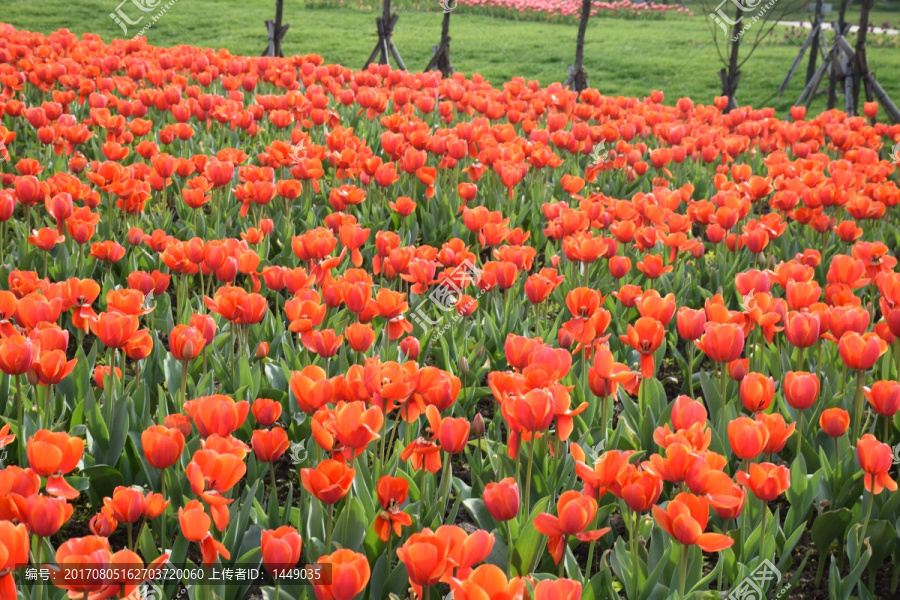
x=802, y=329
x=392, y=492
x=834, y=421
x=126, y=504
x=860, y=351
x=488, y=581
x=114, y=329
x=645, y=336
x=747, y=437
x=690, y=323
x=575, y=512
x=876, y=459
x=357, y=426
x=757, y=391
x=722, y=342
x=280, y=549
x=350, y=574
x=312, y=388
x=17, y=354
x=186, y=342
x=266, y=411
x=162, y=446
x=427, y=558
x=270, y=444
x=217, y=414
x=765, y=480
x=502, y=499
x=14, y=549
x=195, y=527
x=53, y=455
x=211, y=475
x=884, y=396
x=52, y=367
x=685, y=518
x=45, y=515
x=779, y=431
x=557, y=589
x=801, y=389
x=79, y=555
x=329, y=481
x=452, y=433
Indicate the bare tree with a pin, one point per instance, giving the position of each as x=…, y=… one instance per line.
x=577, y=75
x=731, y=32
x=276, y=31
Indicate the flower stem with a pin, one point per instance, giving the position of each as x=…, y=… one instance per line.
x=683, y=564
x=328, y=528
x=527, y=505
x=858, y=412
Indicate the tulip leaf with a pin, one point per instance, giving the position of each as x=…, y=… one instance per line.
x=480, y=514
x=530, y=540
x=378, y=577
x=350, y=527
x=828, y=527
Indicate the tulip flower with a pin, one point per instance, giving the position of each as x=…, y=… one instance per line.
x=875, y=459
x=757, y=391
x=392, y=492
x=53, y=455
x=575, y=512
x=14, y=542
x=645, y=336
x=685, y=518
x=350, y=574
x=884, y=397
x=748, y=438
x=45, y=515
x=329, y=482
x=557, y=589
x=195, y=525
x=280, y=549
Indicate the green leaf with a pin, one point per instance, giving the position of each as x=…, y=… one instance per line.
x=530, y=541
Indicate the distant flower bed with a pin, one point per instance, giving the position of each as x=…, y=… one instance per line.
x=531, y=10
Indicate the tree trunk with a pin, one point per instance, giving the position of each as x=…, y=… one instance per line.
x=862, y=64
x=832, y=84
x=578, y=76
x=731, y=78
x=814, y=49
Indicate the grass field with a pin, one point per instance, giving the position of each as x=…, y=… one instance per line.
x=623, y=57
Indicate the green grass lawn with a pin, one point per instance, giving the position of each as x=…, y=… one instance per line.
x=623, y=57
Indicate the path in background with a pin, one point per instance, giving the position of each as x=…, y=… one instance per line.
x=828, y=26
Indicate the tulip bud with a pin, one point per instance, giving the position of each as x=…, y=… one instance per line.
x=262, y=351
x=477, y=426
x=463, y=365
x=410, y=347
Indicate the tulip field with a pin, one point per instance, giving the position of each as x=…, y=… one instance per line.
x=275, y=328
